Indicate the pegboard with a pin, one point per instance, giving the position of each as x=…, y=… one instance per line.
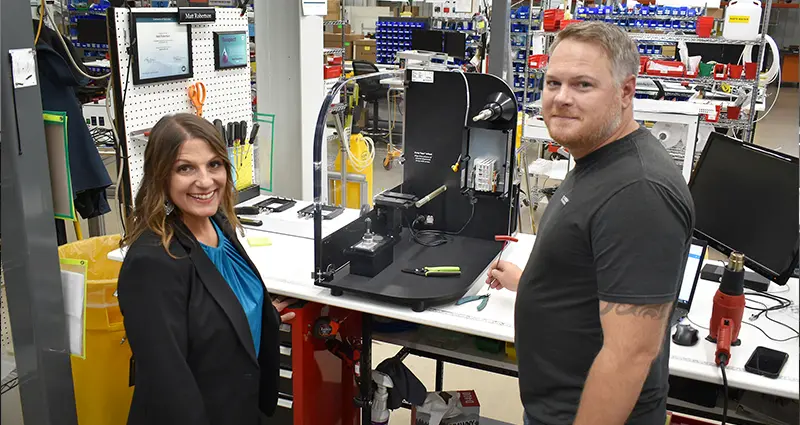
x=228, y=92
x=8, y=344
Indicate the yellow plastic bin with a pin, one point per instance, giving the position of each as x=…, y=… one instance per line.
x=102, y=394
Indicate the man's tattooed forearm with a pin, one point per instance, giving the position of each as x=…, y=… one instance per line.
x=651, y=311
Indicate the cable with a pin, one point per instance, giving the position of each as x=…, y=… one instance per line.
x=695, y=324
x=782, y=303
x=121, y=155
x=725, y=396
x=433, y=238
x=769, y=337
x=766, y=314
x=361, y=164
x=772, y=73
x=466, y=86
x=774, y=100
x=42, y=10
x=69, y=56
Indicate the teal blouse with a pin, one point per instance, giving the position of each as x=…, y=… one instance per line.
x=242, y=279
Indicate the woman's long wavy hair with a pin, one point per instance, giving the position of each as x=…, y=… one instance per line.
x=162, y=150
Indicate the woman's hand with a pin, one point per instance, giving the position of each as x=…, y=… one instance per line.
x=503, y=274
x=280, y=303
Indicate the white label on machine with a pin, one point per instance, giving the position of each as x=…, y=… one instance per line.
x=23, y=67
x=422, y=76
x=423, y=157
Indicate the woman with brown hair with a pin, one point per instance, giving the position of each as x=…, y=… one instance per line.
x=203, y=332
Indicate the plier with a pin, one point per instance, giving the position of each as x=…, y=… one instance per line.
x=441, y=271
x=471, y=298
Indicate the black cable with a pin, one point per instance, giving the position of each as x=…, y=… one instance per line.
x=725, y=396
x=695, y=324
x=769, y=337
x=766, y=314
x=433, y=238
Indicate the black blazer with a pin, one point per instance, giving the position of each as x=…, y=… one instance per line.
x=194, y=357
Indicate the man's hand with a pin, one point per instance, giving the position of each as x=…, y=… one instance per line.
x=280, y=303
x=632, y=339
x=503, y=274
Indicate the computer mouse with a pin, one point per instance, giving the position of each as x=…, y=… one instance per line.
x=685, y=335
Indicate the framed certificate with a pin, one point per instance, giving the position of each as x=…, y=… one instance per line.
x=162, y=48
x=231, y=49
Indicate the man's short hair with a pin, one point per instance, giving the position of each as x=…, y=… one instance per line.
x=621, y=49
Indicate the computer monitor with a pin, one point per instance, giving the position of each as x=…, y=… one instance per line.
x=92, y=30
x=427, y=40
x=746, y=200
x=455, y=44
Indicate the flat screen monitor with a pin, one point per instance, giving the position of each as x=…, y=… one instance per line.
x=427, y=40
x=746, y=200
x=162, y=48
x=231, y=49
x=455, y=44
x=92, y=30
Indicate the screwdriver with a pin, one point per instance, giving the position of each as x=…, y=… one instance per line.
x=507, y=240
x=242, y=135
x=220, y=130
x=252, y=139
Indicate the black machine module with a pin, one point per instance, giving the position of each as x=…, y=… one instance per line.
x=458, y=193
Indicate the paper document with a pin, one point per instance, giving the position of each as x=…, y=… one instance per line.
x=73, y=288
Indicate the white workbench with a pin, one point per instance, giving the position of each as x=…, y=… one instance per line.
x=287, y=265
x=697, y=362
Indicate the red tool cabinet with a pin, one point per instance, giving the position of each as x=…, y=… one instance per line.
x=316, y=387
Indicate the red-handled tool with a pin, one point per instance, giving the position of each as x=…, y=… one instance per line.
x=724, y=336
x=506, y=240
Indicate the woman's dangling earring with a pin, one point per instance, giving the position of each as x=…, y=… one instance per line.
x=169, y=207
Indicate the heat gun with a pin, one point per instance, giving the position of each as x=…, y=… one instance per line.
x=726, y=316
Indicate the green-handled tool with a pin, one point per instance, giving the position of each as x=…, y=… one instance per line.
x=471, y=298
x=441, y=271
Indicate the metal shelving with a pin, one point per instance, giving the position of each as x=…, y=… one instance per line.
x=731, y=124
x=699, y=80
x=663, y=35
x=689, y=38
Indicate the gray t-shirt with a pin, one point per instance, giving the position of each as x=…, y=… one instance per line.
x=618, y=230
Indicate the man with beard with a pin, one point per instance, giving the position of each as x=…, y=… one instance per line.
x=595, y=298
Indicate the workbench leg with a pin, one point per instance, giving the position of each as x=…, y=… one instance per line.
x=366, y=368
x=439, y=375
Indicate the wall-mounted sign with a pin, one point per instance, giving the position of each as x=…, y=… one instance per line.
x=193, y=15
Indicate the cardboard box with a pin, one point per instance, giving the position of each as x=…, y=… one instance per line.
x=334, y=9
x=332, y=16
x=466, y=401
x=668, y=50
x=364, y=50
x=331, y=40
x=334, y=5
x=717, y=13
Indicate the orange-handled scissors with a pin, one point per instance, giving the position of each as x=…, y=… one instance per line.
x=197, y=94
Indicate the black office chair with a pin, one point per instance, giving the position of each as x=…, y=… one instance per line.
x=371, y=91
